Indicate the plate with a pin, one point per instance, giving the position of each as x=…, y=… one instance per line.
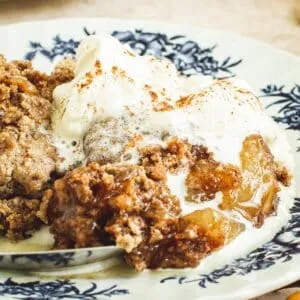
x=272, y=73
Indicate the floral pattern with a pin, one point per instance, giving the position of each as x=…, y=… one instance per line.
x=60, y=47
x=59, y=259
x=188, y=56
x=288, y=102
x=58, y=289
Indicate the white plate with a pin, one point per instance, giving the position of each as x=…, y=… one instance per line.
x=274, y=75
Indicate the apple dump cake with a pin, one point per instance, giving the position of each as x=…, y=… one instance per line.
x=119, y=149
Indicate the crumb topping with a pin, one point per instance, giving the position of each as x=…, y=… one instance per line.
x=98, y=205
x=18, y=217
x=27, y=157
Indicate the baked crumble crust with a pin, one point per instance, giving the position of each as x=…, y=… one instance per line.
x=119, y=199
x=27, y=157
x=175, y=157
x=98, y=205
x=18, y=217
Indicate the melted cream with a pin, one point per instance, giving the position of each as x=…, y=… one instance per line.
x=112, y=81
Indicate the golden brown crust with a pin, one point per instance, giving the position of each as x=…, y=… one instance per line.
x=28, y=92
x=26, y=162
x=175, y=157
x=18, y=217
x=114, y=198
x=27, y=157
x=120, y=204
x=45, y=84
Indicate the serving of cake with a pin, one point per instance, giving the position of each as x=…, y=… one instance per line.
x=119, y=149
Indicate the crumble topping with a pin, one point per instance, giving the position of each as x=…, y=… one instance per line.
x=18, y=217
x=98, y=205
x=26, y=162
x=27, y=157
x=175, y=157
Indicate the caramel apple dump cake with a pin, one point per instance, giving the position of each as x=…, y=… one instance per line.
x=118, y=149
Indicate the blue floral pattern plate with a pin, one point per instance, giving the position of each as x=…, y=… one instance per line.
x=274, y=75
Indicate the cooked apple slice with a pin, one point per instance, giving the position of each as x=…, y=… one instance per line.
x=196, y=235
x=217, y=228
x=257, y=195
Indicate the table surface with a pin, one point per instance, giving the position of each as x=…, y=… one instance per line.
x=273, y=21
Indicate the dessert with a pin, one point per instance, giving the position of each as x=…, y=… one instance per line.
x=168, y=168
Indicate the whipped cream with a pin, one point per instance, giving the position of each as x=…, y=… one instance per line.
x=109, y=78
x=112, y=81
x=146, y=97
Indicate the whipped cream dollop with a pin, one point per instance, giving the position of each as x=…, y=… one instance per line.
x=110, y=78
x=153, y=99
